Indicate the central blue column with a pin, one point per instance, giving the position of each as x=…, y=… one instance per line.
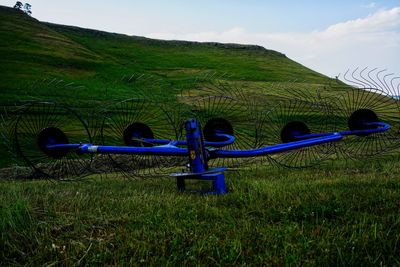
x=196, y=149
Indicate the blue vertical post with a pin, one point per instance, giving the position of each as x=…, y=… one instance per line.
x=196, y=151
x=198, y=159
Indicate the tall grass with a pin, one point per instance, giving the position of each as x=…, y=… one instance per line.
x=335, y=215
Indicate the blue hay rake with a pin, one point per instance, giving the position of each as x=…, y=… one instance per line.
x=56, y=142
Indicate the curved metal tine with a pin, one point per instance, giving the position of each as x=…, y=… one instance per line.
x=38, y=116
x=7, y=121
x=215, y=107
x=296, y=90
x=217, y=96
x=68, y=94
x=368, y=82
x=217, y=84
x=313, y=115
x=134, y=86
x=140, y=85
x=352, y=100
x=257, y=107
x=352, y=80
x=312, y=98
x=120, y=116
x=53, y=90
x=101, y=165
x=8, y=115
x=381, y=76
x=359, y=80
x=376, y=81
x=393, y=88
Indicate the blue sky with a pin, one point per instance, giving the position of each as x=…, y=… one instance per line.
x=327, y=36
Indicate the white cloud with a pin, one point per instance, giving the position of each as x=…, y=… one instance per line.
x=377, y=22
x=370, y=5
x=371, y=41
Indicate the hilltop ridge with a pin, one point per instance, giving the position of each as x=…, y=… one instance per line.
x=31, y=49
x=99, y=33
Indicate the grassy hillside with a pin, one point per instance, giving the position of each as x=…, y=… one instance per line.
x=32, y=50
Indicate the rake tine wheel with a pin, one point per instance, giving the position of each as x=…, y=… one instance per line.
x=40, y=124
x=226, y=115
x=372, y=94
x=290, y=119
x=220, y=104
x=356, y=106
x=128, y=123
x=7, y=126
x=101, y=164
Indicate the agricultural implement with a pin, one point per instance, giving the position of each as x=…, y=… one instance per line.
x=203, y=134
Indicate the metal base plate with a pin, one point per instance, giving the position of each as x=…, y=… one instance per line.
x=191, y=174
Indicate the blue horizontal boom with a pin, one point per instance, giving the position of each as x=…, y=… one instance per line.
x=267, y=150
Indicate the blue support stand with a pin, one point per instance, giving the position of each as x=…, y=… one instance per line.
x=217, y=178
x=198, y=159
x=218, y=184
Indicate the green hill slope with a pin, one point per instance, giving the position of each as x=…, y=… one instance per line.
x=32, y=50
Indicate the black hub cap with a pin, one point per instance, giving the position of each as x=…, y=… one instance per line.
x=52, y=136
x=359, y=118
x=292, y=130
x=217, y=126
x=137, y=131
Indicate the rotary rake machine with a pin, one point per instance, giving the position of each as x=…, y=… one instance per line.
x=204, y=132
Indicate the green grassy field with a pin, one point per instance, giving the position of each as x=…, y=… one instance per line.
x=333, y=215
x=339, y=213
x=31, y=50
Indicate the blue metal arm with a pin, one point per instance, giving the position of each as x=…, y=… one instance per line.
x=157, y=151
x=305, y=141
x=165, y=143
x=275, y=148
x=382, y=127
x=62, y=146
x=229, y=140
